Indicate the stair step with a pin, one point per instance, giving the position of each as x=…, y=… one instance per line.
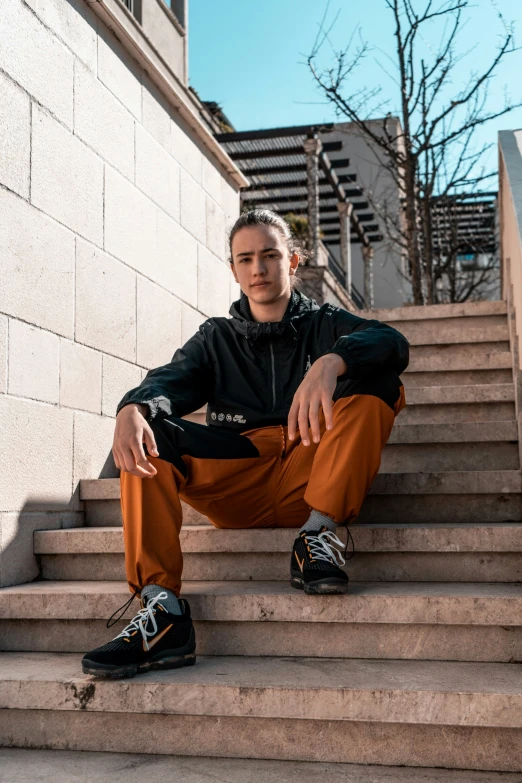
x=452, y=413
x=442, y=395
x=232, y=699
x=463, y=311
x=63, y=766
x=457, y=432
x=456, y=377
x=425, y=537
x=448, y=496
x=450, y=482
x=436, y=553
x=496, y=360
x=453, y=621
x=452, y=332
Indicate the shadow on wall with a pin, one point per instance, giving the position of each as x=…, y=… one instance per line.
x=18, y=563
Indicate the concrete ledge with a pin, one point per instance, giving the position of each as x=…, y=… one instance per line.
x=368, y=538
x=370, y=602
x=61, y=766
x=420, y=692
x=415, y=313
x=430, y=395
x=361, y=742
x=457, y=432
x=455, y=482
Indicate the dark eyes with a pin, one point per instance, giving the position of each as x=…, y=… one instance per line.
x=269, y=255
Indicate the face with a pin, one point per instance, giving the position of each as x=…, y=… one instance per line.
x=262, y=263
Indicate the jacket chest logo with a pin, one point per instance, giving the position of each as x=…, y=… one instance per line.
x=238, y=417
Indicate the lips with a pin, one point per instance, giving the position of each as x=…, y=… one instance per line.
x=259, y=285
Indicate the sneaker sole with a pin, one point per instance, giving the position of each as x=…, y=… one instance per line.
x=321, y=587
x=115, y=672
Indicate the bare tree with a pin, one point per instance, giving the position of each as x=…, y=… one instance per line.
x=428, y=153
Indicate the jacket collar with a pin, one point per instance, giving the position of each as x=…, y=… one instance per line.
x=298, y=307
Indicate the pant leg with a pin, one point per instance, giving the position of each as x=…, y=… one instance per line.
x=334, y=475
x=223, y=474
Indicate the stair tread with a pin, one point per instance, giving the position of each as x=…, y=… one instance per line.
x=63, y=766
x=452, y=603
x=453, y=432
x=413, y=537
x=435, y=692
x=460, y=393
x=443, y=482
x=425, y=313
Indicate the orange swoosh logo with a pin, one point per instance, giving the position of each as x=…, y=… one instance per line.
x=301, y=564
x=156, y=639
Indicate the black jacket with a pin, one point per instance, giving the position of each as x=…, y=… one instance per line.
x=248, y=372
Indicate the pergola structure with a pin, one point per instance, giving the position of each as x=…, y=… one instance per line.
x=465, y=222
x=290, y=171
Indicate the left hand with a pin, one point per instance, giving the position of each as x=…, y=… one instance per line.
x=315, y=390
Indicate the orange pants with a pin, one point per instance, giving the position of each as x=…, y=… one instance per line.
x=256, y=478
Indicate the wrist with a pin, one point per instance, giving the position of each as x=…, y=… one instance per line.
x=338, y=362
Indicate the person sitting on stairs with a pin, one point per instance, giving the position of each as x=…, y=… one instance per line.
x=301, y=400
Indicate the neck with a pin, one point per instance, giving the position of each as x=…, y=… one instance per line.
x=270, y=311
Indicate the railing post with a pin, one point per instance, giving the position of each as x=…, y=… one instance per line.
x=367, y=253
x=345, y=212
x=312, y=149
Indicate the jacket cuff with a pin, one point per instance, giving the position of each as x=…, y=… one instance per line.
x=159, y=407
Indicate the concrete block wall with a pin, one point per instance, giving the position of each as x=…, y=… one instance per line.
x=113, y=251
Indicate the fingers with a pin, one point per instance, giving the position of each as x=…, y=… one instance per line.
x=303, y=422
x=327, y=410
x=313, y=417
x=150, y=441
x=305, y=415
x=292, y=418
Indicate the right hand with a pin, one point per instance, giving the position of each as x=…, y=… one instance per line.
x=130, y=432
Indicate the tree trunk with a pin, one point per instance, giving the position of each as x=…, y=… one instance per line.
x=412, y=231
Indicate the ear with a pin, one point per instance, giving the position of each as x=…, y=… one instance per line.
x=233, y=270
x=294, y=263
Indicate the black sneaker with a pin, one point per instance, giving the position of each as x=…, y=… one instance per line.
x=314, y=566
x=154, y=639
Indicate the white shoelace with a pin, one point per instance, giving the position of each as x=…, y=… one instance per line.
x=321, y=547
x=140, y=622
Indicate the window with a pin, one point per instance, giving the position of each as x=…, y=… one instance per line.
x=134, y=7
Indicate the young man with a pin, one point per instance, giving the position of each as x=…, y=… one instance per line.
x=301, y=401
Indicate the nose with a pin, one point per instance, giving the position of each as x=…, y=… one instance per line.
x=258, y=268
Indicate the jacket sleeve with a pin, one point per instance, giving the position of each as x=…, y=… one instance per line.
x=367, y=345
x=179, y=387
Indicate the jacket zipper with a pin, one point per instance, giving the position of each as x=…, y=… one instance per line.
x=273, y=378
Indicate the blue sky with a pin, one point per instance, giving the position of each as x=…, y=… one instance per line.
x=250, y=57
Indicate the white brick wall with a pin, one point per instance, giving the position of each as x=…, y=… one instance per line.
x=37, y=262
x=193, y=207
x=159, y=324
x=157, y=173
x=102, y=122
x=105, y=302
x=36, y=59
x=112, y=242
x=131, y=220
x=119, y=73
x=80, y=377
x=34, y=362
x=15, y=137
x=66, y=178
x=3, y=354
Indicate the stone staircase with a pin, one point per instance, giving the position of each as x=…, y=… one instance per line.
x=419, y=665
